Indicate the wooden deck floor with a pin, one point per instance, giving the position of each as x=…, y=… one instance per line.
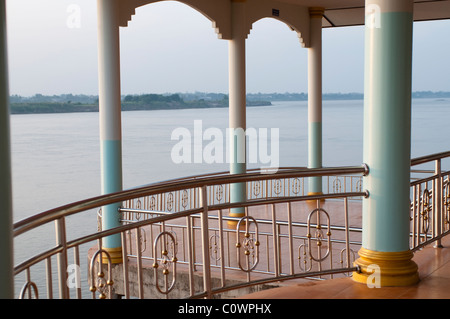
x=434, y=272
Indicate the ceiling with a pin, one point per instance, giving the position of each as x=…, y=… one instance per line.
x=341, y=13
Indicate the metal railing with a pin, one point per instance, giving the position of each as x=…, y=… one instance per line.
x=430, y=201
x=178, y=233
x=178, y=240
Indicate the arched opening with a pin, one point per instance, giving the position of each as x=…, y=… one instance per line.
x=172, y=49
x=343, y=88
x=166, y=39
x=277, y=70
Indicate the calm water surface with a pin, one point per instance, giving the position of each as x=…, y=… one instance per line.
x=56, y=157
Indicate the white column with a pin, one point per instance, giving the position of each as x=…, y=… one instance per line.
x=6, y=239
x=315, y=98
x=237, y=104
x=110, y=117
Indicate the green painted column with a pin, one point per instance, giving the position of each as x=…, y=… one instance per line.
x=315, y=99
x=387, y=142
x=6, y=220
x=110, y=118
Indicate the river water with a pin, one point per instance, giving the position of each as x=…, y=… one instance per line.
x=56, y=157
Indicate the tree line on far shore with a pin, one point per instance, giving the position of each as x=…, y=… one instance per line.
x=65, y=103
x=83, y=103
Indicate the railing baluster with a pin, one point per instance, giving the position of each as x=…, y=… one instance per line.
x=414, y=217
x=205, y=244
x=126, y=283
x=275, y=241
x=191, y=259
x=222, y=255
x=437, y=202
x=291, y=244
x=193, y=241
x=48, y=262
x=76, y=258
x=419, y=209
x=347, y=233
x=29, y=281
x=139, y=264
x=61, y=240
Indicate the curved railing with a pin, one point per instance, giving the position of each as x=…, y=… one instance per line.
x=430, y=200
x=210, y=252
x=178, y=240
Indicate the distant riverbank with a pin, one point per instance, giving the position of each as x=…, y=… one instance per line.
x=136, y=103
x=69, y=103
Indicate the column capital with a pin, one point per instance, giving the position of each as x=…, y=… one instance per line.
x=316, y=12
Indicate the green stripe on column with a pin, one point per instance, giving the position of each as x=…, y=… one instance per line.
x=111, y=161
x=238, y=166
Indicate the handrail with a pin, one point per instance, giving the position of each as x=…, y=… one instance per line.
x=178, y=184
x=429, y=158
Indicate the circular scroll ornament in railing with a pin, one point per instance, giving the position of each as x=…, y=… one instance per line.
x=250, y=243
x=152, y=203
x=351, y=257
x=184, y=198
x=257, y=188
x=277, y=186
x=296, y=186
x=169, y=202
x=219, y=192
x=319, y=237
x=28, y=287
x=142, y=239
x=98, y=281
x=214, y=248
x=359, y=185
x=138, y=205
x=426, y=209
x=337, y=185
x=303, y=258
x=167, y=260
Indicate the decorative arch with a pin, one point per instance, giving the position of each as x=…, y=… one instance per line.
x=218, y=12
x=294, y=16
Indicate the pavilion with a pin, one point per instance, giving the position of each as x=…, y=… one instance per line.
x=387, y=111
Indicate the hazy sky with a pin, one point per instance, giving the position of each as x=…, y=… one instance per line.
x=169, y=47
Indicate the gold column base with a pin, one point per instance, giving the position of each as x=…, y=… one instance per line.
x=233, y=223
x=114, y=253
x=396, y=269
x=314, y=201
